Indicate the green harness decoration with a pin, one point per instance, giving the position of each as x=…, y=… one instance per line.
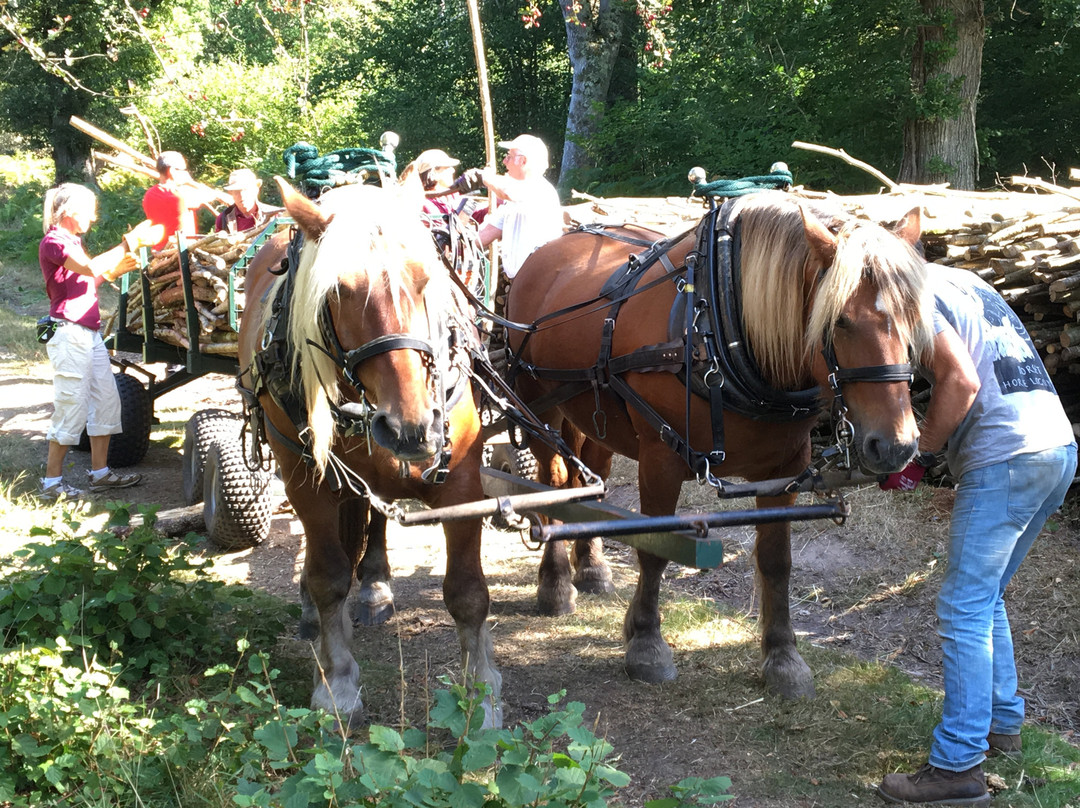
x=778, y=179
x=318, y=173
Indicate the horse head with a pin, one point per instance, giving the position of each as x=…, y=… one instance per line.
x=868, y=319
x=370, y=338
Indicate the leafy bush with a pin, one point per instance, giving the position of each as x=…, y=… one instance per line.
x=24, y=178
x=552, y=761
x=125, y=597
x=71, y=732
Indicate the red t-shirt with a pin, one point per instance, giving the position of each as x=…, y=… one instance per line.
x=72, y=296
x=165, y=207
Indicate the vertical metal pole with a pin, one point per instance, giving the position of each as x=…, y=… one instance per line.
x=489, y=125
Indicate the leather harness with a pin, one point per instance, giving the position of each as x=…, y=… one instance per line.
x=271, y=373
x=706, y=345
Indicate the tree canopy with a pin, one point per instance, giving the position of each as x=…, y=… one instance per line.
x=724, y=85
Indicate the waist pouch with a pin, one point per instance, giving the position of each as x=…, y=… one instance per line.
x=46, y=327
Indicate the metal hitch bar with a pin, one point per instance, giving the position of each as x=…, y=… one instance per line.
x=505, y=505
x=698, y=523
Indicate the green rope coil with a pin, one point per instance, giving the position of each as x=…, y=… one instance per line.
x=778, y=179
x=316, y=173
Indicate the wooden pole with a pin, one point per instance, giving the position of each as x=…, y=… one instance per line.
x=489, y=124
x=122, y=162
x=109, y=140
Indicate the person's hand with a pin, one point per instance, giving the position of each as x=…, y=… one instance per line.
x=905, y=480
x=144, y=234
x=471, y=180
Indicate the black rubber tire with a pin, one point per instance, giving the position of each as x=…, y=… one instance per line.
x=136, y=417
x=518, y=462
x=201, y=432
x=236, y=500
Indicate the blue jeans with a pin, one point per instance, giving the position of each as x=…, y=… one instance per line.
x=999, y=511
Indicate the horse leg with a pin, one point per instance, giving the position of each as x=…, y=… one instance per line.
x=375, y=604
x=786, y=674
x=334, y=536
x=555, y=592
x=591, y=571
x=648, y=656
x=465, y=593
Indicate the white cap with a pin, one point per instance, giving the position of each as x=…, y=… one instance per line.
x=532, y=147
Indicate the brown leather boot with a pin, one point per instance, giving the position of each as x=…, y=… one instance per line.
x=1007, y=745
x=933, y=786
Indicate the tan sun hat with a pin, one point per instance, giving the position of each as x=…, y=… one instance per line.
x=434, y=158
x=242, y=178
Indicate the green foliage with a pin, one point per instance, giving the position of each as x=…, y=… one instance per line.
x=123, y=597
x=552, y=761
x=87, y=618
x=745, y=81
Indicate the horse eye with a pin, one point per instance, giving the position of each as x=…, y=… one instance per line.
x=843, y=321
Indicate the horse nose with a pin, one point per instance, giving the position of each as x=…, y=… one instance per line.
x=417, y=440
x=882, y=456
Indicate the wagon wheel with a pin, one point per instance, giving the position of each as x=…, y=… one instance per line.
x=510, y=460
x=236, y=500
x=129, y=446
x=203, y=429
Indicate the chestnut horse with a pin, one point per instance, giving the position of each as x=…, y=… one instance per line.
x=361, y=377
x=805, y=281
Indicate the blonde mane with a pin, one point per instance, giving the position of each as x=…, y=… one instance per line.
x=374, y=232
x=781, y=329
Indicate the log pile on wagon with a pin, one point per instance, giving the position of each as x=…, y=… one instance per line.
x=211, y=258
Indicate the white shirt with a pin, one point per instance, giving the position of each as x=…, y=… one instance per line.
x=531, y=220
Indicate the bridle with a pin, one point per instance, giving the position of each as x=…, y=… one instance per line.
x=843, y=429
x=354, y=418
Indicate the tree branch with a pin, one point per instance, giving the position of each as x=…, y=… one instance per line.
x=1036, y=182
x=847, y=158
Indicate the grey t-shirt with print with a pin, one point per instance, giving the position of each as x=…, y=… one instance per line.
x=1017, y=410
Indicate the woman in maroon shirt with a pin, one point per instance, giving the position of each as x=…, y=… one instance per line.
x=84, y=393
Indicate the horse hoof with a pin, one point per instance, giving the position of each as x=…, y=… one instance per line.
x=652, y=674
x=789, y=677
x=649, y=659
x=372, y=614
x=556, y=602
x=595, y=586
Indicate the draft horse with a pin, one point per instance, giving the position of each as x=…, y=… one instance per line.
x=355, y=369
x=767, y=301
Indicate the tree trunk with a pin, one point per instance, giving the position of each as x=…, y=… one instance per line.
x=70, y=147
x=593, y=36
x=940, y=144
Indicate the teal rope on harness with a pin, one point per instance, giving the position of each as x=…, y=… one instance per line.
x=778, y=180
x=317, y=173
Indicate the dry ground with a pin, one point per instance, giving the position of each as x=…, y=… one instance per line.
x=865, y=588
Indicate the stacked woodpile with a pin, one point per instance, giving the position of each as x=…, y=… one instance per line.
x=211, y=260
x=1032, y=257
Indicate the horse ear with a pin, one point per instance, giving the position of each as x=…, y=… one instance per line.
x=909, y=228
x=822, y=242
x=411, y=185
x=308, y=216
